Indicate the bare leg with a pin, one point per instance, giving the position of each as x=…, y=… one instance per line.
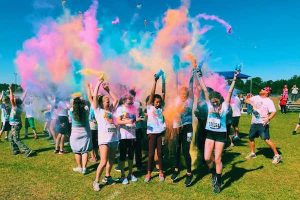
x=273, y=146
x=78, y=160
x=252, y=146
x=84, y=158
x=219, y=146
x=103, y=154
x=209, y=146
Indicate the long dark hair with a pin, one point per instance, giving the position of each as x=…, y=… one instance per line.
x=79, y=111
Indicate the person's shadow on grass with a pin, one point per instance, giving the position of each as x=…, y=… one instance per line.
x=267, y=152
x=236, y=173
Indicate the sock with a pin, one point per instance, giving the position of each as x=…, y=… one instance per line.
x=219, y=178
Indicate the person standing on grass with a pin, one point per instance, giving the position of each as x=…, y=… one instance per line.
x=263, y=112
x=80, y=139
x=94, y=134
x=16, y=125
x=29, y=118
x=156, y=128
x=107, y=131
x=297, y=126
x=126, y=116
x=236, y=106
x=285, y=91
x=182, y=125
x=5, y=111
x=62, y=126
x=295, y=91
x=216, y=128
x=282, y=103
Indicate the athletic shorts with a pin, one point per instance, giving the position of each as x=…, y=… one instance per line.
x=62, y=125
x=29, y=123
x=5, y=126
x=94, y=134
x=217, y=136
x=257, y=130
x=126, y=147
x=235, y=121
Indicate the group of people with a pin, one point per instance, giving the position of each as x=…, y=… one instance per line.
x=107, y=124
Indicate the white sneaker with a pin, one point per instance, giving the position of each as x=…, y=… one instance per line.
x=96, y=186
x=84, y=170
x=250, y=156
x=125, y=181
x=77, y=169
x=276, y=159
x=132, y=178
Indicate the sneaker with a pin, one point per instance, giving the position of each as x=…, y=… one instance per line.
x=29, y=153
x=161, y=177
x=77, y=169
x=217, y=187
x=84, y=171
x=132, y=178
x=125, y=181
x=236, y=138
x=118, y=169
x=276, y=159
x=250, y=156
x=294, y=132
x=174, y=176
x=231, y=145
x=56, y=151
x=108, y=180
x=147, y=179
x=96, y=186
x=213, y=179
x=61, y=152
x=16, y=152
x=188, y=180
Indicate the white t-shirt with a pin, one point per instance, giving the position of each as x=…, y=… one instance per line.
x=261, y=108
x=186, y=117
x=127, y=131
x=295, y=90
x=236, y=107
x=155, y=122
x=107, y=130
x=216, y=121
x=29, y=110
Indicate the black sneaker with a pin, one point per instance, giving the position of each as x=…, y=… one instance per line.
x=16, y=152
x=213, y=179
x=217, y=185
x=108, y=180
x=188, y=180
x=174, y=176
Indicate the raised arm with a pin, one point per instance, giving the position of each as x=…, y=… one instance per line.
x=112, y=95
x=11, y=96
x=164, y=87
x=95, y=93
x=89, y=92
x=151, y=98
x=191, y=87
x=198, y=74
x=227, y=100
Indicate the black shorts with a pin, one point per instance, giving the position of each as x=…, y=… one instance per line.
x=257, y=130
x=63, y=125
x=217, y=136
x=5, y=126
x=94, y=134
x=126, y=147
x=235, y=121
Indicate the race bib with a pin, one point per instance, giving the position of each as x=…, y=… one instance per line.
x=111, y=128
x=214, y=123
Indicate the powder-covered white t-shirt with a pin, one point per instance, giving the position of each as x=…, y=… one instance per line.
x=107, y=130
x=127, y=131
x=155, y=122
x=261, y=108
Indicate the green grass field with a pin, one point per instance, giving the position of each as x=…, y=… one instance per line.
x=49, y=176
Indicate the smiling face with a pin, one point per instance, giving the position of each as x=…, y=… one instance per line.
x=157, y=102
x=105, y=102
x=128, y=100
x=215, y=102
x=183, y=93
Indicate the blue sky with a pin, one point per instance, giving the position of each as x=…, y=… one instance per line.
x=265, y=38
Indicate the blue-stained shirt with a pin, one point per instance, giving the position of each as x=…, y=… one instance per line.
x=216, y=121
